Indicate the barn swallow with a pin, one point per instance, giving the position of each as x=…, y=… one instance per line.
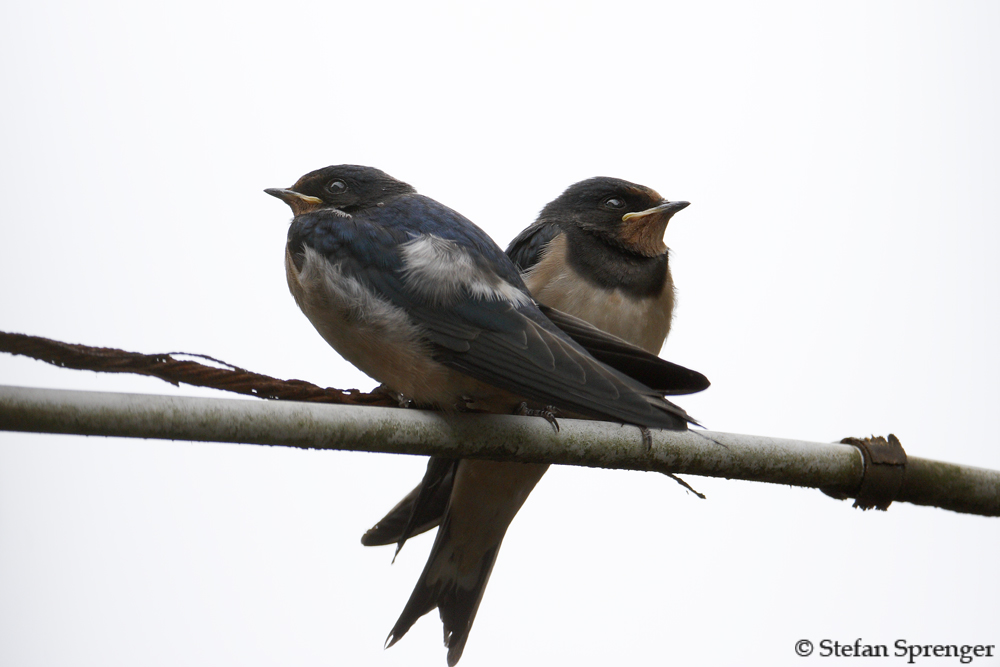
x=595, y=253
x=419, y=298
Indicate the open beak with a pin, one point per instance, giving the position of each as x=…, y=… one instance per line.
x=299, y=202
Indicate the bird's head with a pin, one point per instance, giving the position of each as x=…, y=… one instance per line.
x=621, y=213
x=346, y=188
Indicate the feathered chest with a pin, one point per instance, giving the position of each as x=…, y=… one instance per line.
x=640, y=316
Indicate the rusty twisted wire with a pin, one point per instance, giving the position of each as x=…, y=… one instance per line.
x=175, y=371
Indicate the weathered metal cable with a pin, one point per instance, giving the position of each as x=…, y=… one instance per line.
x=175, y=371
x=833, y=467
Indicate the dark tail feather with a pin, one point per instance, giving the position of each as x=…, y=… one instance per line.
x=485, y=497
x=419, y=511
x=432, y=499
x=457, y=596
x=390, y=527
x=458, y=610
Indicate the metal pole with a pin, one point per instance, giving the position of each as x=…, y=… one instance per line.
x=498, y=437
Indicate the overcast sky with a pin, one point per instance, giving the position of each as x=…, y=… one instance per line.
x=837, y=276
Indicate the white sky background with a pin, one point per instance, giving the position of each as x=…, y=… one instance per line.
x=837, y=274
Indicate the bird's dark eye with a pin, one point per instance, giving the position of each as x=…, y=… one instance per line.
x=614, y=202
x=336, y=187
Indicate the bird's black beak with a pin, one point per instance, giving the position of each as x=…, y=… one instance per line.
x=663, y=211
x=299, y=202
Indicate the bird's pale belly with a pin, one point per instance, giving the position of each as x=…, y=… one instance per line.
x=378, y=337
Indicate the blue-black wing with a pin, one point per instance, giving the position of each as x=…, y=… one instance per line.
x=518, y=349
x=527, y=247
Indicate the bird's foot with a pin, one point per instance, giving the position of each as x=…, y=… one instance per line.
x=401, y=400
x=548, y=414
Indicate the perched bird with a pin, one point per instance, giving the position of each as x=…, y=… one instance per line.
x=419, y=298
x=596, y=253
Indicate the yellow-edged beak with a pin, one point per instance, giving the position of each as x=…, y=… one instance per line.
x=299, y=202
x=667, y=208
